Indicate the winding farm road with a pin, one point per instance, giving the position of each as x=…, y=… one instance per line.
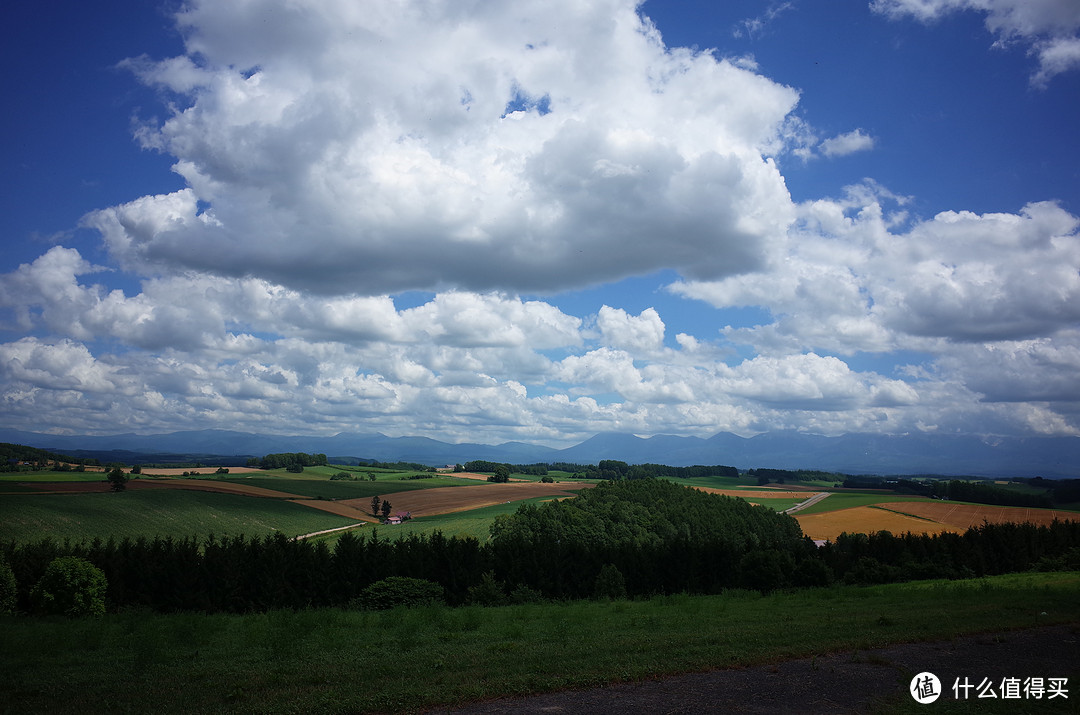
x=812, y=500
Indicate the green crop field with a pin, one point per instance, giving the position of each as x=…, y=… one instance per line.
x=408, y=660
x=844, y=500
x=7, y=478
x=164, y=512
x=777, y=504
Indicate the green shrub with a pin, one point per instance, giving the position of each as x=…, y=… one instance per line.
x=70, y=586
x=8, y=588
x=399, y=591
x=524, y=594
x=610, y=584
x=489, y=592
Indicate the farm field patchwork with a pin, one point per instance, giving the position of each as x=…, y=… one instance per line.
x=919, y=516
x=444, y=500
x=322, y=486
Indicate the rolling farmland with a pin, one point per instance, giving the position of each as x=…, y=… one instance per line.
x=923, y=516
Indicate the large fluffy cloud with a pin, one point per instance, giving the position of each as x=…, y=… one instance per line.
x=851, y=283
x=345, y=147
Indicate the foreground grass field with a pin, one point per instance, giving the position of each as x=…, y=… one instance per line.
x=165, y=512
x=336, y=661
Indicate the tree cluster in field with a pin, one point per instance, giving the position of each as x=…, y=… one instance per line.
x=783, y=476
x=291, y=461
x=483, y=465
x=614, y=469
x=11, y=456
x=630, y=538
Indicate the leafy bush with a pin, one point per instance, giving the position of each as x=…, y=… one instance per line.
x=399, y=591
x=524, y=594
x=70, y=586
x=610, y=584
x=489, y=592
x=8, y=588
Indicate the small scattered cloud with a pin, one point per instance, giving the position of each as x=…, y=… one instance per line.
x=849, y=143
x=1047, y=27
x=754, y=27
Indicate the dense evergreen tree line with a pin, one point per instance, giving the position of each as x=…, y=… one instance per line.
x=285, y=460
x=1062, y=491
x=12, y=454
x=606, y=469
x=638, y=537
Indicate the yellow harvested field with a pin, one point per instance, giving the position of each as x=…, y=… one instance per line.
x=963, y=516
x=864, y=520
x=445, y=500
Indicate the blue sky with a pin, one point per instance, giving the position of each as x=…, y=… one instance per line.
x=539, y=222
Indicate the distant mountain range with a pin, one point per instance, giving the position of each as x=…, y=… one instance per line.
x=851, y=453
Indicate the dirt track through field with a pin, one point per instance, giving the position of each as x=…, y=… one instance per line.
x=447, y=500
x=964, y=516
x=864, y=520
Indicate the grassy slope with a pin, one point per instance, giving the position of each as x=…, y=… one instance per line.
x=8, y=478
x=171, y=512
x=338, y=661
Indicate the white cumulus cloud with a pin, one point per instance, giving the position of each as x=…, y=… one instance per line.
x=344, y=147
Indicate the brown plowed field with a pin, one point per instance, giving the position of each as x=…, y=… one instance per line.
x=963, y=516
x=864, y=520
x=445, y=500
